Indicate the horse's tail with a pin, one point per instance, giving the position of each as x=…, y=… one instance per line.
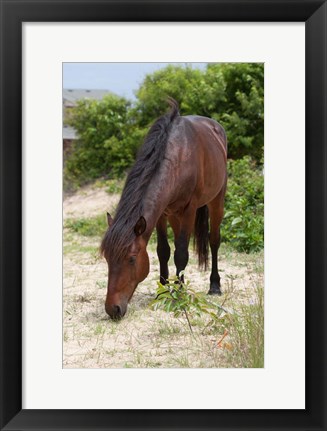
x=201, y=236
x=174, y=108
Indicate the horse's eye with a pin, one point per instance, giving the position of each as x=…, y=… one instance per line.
x=132, y=260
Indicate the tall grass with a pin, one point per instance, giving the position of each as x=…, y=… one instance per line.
x=246, y=334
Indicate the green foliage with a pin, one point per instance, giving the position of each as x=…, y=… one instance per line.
x=173, y=81
x=242, y=115
x=231, y=93
x=243, y=224
x=94, y=226
x=106, y=146
x=179, y=298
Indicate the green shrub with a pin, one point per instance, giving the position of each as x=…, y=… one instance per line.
x=242, y=113
x=108, y=139
x=243, y=224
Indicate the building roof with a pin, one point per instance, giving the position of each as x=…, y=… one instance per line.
x=69, y=133
x=70, y=96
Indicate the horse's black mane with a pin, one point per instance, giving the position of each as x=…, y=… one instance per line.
x=120, y=236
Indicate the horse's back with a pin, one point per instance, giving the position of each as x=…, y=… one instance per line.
x=201, y=145
x=209, y=130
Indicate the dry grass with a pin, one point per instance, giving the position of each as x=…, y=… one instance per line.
x=147, y=338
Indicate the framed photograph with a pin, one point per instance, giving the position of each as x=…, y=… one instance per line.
x=52, y=377
x=196, y=328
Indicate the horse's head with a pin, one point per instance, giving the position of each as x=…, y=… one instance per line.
x=127, y=272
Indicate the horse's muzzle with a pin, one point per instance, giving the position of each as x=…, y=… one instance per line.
x=116, y=312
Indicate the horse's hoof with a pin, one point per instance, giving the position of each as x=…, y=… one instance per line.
x=214, y=290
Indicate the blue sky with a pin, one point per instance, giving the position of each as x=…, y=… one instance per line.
x=120, y=78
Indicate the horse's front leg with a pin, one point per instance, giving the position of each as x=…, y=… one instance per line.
x=182, y=239
x=163, y=249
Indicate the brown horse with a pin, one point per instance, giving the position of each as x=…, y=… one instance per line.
x=179, y=176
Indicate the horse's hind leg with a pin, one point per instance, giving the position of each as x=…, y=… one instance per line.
x=163, y=249
x=216, y=213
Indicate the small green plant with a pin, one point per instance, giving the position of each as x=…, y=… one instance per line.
x=101, y=284
x=93, y=226
x=179, y=298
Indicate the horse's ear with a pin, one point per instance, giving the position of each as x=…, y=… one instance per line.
x=109, y=219
x=140, y=226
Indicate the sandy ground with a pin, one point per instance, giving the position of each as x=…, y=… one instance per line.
x=144, y=338
x=88, y=202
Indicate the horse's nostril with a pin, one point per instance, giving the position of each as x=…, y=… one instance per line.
x=117, y=311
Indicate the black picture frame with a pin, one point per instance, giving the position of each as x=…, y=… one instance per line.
x=13, y=14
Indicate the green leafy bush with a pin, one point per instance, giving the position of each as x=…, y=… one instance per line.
x=174, y=81
x=242, y=112
x=243, y=224
x=107, y=140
